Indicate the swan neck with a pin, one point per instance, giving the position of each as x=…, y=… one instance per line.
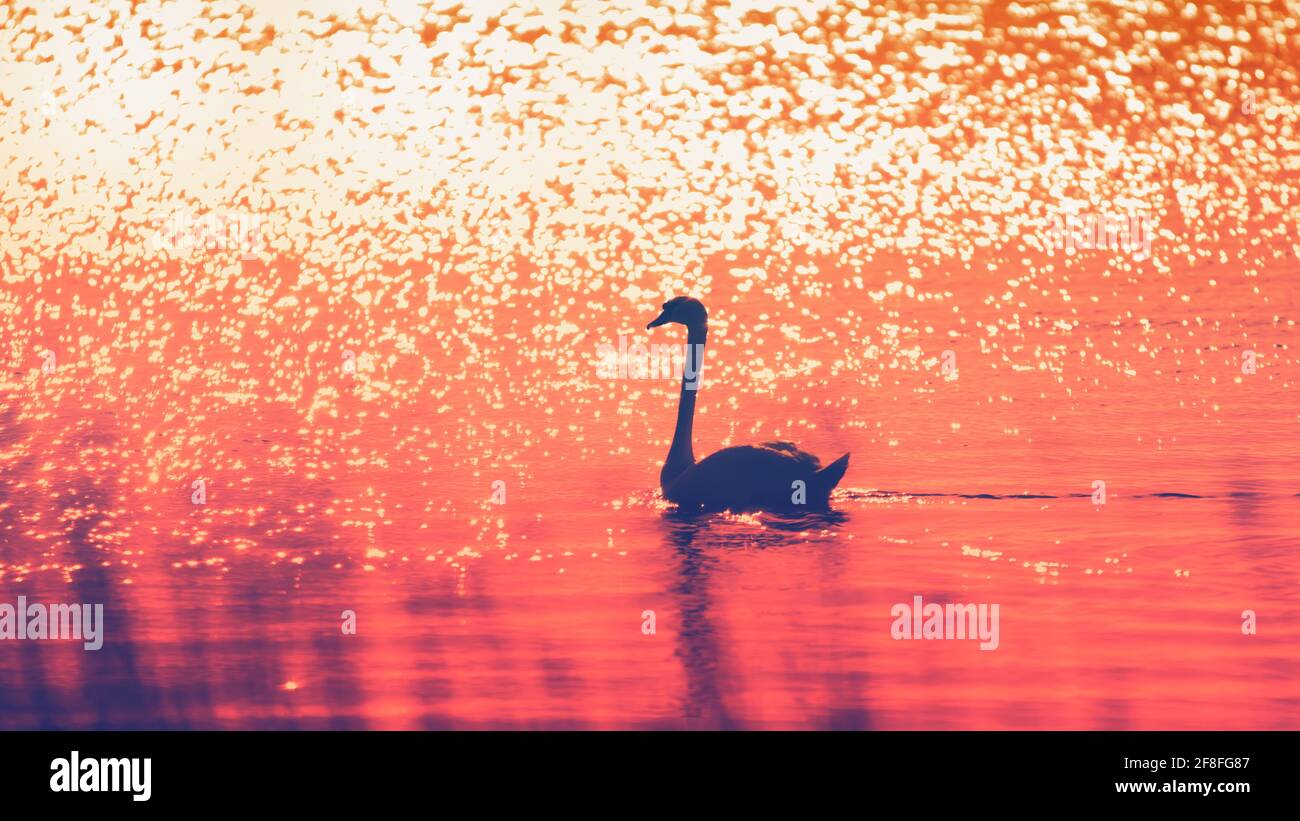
x=681, y=455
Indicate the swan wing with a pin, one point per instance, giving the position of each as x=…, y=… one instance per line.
x=746, y=475
x=792, y=450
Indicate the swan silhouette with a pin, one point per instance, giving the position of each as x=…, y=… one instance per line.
x=746, y=477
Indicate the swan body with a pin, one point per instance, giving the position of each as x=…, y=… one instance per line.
x=766, y=476
x=763, y=476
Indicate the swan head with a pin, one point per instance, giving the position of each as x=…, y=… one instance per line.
x=683, y=310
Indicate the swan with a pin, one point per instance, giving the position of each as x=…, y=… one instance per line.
x=745, y=477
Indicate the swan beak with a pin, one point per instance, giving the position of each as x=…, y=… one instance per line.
x=662, y=320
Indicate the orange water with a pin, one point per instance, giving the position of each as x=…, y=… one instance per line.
x=466, y=204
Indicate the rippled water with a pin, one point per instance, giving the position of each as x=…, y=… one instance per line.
x=458, y=205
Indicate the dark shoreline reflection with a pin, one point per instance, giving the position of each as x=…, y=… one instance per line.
x=229, y=650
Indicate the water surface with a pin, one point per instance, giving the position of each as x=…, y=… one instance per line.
x=459, y=205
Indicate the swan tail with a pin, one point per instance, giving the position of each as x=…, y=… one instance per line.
x=828, y=477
